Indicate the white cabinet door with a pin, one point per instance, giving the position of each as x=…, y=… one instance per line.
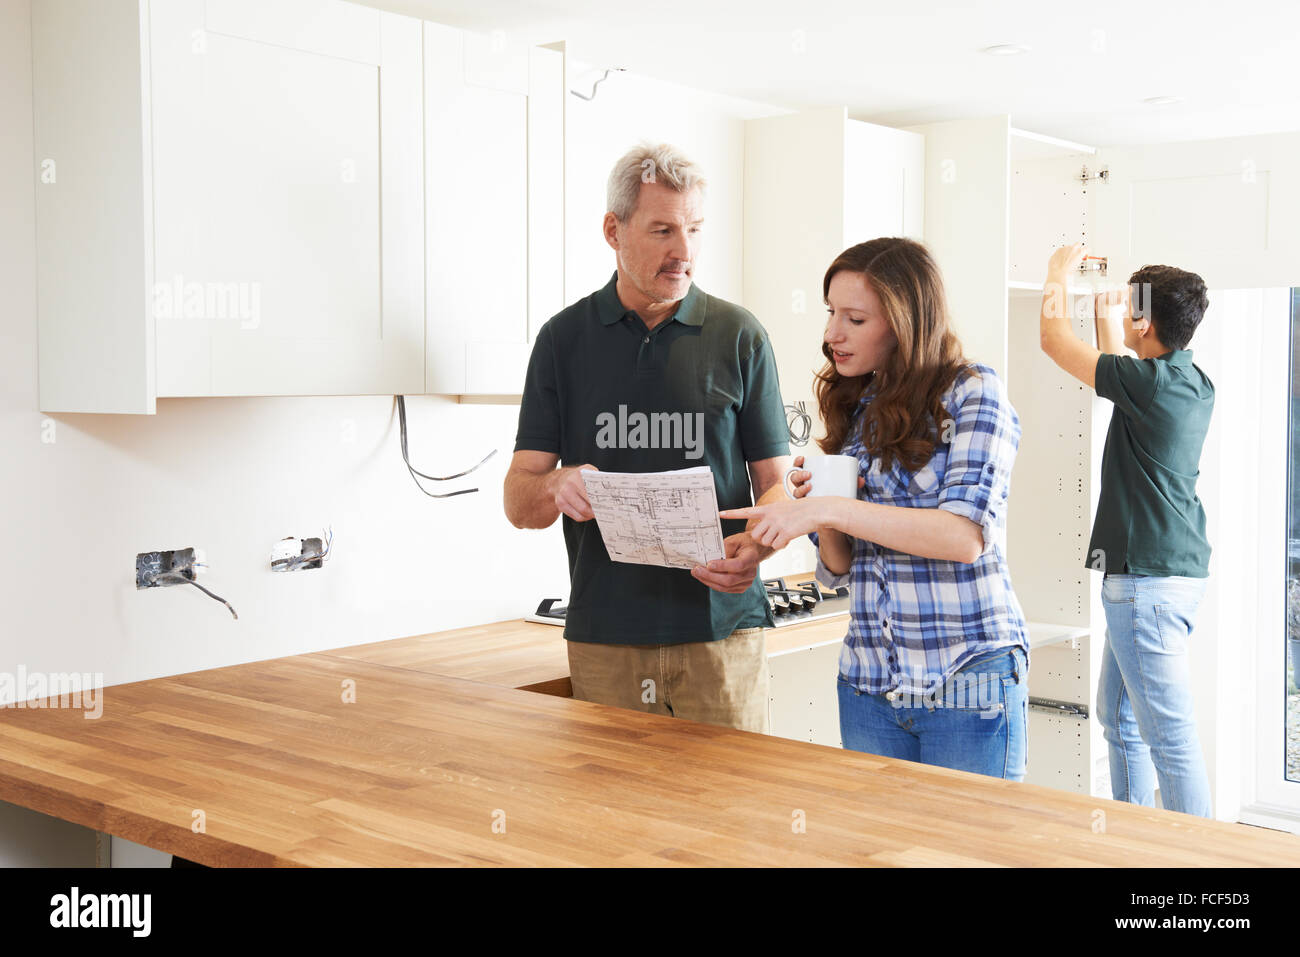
x=1224, y=209
x=494, y=230
x=967, y=202
x=546, y=97
x=884, y=183
x=794, y=227
x=476, y=181
x=287, y=198
x=815, y=184
x=802, y=696
x=93, y=241
x=497, y=359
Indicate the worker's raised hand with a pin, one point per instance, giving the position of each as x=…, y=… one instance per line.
x=571, y=493
x=1065, y=261
x=1063, y=264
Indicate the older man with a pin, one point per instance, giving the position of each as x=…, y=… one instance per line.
x=664, y=640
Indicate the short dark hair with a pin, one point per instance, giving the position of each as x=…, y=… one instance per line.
x=1174, y=299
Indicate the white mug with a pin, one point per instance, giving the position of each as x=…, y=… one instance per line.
x=831, y=475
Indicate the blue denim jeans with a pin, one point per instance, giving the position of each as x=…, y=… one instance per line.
x=978, y=723
x=1144, y=695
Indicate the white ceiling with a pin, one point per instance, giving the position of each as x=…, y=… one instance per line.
x=1089, y=66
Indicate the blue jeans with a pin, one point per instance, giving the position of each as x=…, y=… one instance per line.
x=1144, y=695
x=977, y=723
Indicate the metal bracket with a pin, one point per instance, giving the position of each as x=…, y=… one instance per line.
x=1095, y=264
x=1070, y=708
x=1102, y=174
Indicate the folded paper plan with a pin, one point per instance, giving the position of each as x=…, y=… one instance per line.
x=657, y=518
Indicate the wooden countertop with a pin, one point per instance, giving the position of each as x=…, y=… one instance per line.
x=419, y=767
x=513, y=654
x=528, y=655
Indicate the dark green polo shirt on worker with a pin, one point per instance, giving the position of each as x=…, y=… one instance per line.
x=596, y=362
x=1149, y=519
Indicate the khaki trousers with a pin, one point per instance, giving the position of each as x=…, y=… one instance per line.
x=717, y=682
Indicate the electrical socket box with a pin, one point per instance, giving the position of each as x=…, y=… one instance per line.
x=290, y=554
x=313, y=546
x=149, y=565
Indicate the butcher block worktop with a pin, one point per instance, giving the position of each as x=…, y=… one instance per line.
x=528, y=655
x=422, y=751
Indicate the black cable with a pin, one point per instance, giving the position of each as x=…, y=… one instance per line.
x=798, y=413
x=401, y=415
x=190, y=581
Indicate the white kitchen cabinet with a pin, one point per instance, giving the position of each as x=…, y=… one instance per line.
x=230, y=200
x=999, y=200
x=1058, y=468
x=494, y=152
x=803, y=702
x=815, y=184
x=967, y=196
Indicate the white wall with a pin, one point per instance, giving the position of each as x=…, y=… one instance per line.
x=234, y=475
x=627, y=109
x=708, y=128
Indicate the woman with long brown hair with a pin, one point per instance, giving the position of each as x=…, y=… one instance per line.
x=935, y=662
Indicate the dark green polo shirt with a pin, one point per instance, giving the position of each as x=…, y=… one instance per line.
x=594, y=367
x=1149, y=519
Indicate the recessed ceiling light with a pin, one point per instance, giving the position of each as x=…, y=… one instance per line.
x=1162, y=100
x=1005, y=49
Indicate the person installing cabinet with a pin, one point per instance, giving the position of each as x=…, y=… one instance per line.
x=1148, y=538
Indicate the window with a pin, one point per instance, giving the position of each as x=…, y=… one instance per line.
x=1291, y=646
x=1255, y=490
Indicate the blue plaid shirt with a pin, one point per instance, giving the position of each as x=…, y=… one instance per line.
x=915, y=621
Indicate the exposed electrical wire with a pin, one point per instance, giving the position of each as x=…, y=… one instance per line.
x=177, y=576
x=614, y=69
x=401, y=416
x=798, y=423
x=295, y=562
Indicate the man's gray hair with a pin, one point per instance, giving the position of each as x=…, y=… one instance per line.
x=648, y=163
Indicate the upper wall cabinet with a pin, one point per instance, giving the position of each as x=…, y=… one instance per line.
x=494, y=174
x=230, y=200
x=967, y=204
x=1225, y=209
x=815, y=184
